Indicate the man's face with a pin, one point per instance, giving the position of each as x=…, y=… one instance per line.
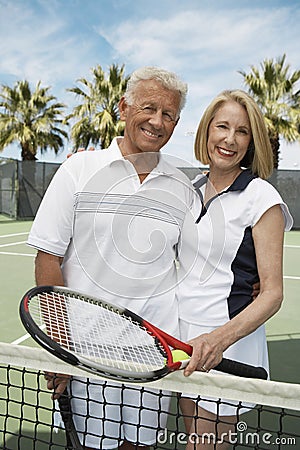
x=151, y=119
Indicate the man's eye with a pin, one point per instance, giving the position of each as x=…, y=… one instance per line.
x=148, y=109
x=168, y=117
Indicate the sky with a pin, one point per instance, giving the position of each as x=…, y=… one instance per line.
x=206, y=42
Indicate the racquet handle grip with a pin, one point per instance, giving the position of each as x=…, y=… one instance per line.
x=241, y=369
x=66, y=415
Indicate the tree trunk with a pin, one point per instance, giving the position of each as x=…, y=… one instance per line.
x=27, y=154
x=275, y=144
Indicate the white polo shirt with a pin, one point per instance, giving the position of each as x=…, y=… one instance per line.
x=221, y=282
x=119, y=237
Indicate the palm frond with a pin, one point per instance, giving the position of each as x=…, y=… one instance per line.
x=31, y=117
x=97, y=116
x=273, y=86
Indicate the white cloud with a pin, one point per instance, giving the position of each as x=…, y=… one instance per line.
x=40, y=46
x=206, y=47
x=202, y=39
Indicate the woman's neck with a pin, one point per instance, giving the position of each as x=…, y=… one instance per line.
x=219, y=180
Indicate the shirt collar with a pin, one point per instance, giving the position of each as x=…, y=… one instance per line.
x=242, y=181
x=239, y=184
x=163, y=167
x=114, y=150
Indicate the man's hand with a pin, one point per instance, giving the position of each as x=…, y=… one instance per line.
x=57, y=382
x=81, y=149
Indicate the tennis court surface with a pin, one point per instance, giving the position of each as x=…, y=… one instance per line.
x=27, y=420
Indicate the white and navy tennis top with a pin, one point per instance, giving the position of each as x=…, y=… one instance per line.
x=220, y=284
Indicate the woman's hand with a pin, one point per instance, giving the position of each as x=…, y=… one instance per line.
x=207, y=353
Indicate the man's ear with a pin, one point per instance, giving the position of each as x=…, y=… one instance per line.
x=123, y=108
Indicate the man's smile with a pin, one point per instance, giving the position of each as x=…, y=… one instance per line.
x=150, y=133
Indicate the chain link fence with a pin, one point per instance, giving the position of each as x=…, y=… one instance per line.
x=23, y=184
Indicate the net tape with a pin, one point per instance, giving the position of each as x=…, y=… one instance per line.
x=25, y=404
x=271, y=393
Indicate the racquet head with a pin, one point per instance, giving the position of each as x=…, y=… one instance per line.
x=92, y=334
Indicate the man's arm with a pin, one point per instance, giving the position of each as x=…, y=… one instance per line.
x=48, y=269
x=48, y=272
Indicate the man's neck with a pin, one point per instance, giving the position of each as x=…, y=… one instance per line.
x=143, y=163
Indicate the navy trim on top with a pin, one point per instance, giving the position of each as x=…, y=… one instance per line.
x=239, y=184
x=242, y=181
x=245, y=274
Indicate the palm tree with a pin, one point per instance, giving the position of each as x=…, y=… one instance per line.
x=273, y=87
x=98, y=114
x=30, y=118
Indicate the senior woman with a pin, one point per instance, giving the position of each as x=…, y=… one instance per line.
x=241, y=225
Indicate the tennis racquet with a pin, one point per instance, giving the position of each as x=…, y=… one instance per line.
x=105, y=339
x=65, y=409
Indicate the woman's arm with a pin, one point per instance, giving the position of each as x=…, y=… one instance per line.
x=268, y=236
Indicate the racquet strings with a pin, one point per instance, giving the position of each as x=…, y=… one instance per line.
x=97, y=332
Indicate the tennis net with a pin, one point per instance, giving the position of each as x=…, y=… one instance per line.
x=30, y=420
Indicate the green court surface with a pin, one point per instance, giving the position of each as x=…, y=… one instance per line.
x=17, y=276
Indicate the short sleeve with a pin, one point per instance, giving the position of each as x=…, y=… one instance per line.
x=264, y=197
x=52, y=227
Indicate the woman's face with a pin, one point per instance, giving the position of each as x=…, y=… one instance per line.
x=229, y=136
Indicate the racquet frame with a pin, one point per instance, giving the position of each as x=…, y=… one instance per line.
x=162, y=340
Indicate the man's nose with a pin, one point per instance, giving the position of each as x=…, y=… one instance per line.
x=156, y=119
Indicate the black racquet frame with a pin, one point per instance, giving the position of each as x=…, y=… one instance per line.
x=162, y=340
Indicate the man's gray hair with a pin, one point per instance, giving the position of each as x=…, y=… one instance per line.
x=168, y=79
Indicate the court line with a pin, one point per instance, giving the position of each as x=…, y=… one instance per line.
x=12, y=243
x=291, y=246
x=26, y=336
x=17, y=254
x=13, y=234
x=291, y=278
x=21, y=339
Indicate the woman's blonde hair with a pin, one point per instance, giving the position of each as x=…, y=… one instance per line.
x=259, y=157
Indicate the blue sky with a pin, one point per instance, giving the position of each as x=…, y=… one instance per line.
x=205, y=41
